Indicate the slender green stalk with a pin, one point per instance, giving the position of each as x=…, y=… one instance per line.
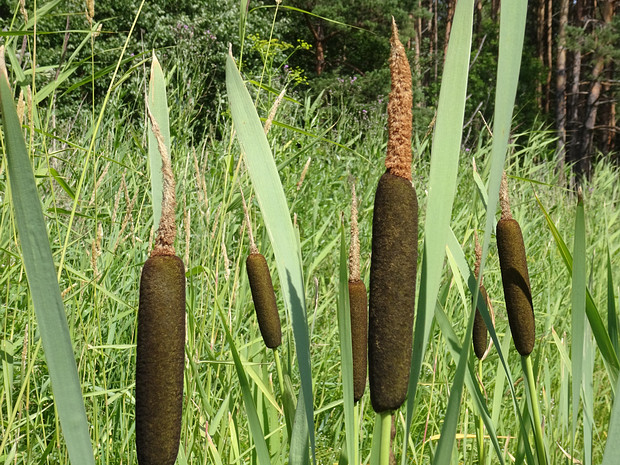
x=480, y=426
x=386, y=433
x=276, y=356
x=356, y=431
x=526, y=362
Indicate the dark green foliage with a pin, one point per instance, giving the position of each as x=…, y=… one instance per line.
x=516, y=282
x=264, y=300
x=479, y=334
x=160, y=360
x=358, y=302
x=392, y=291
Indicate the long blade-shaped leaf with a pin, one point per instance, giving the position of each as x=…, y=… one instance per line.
x=158, y=104
x=596, y=322
x=612, y=447
x=346, y=354
x=276, y=216
x=256, y=430
x=612, y=315
x=442, y=187
x=578, y=303
x=43, y=284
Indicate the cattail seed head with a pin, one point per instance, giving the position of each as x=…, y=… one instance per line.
x=394, y=249
x=479, y=334
x=516, y=283
x=264, y=300
x=160, y=360
x=358, y=302
x=392, y=291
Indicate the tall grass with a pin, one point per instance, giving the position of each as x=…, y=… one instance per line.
x=99, y=253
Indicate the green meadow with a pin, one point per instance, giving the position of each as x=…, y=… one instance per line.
x=93, y=177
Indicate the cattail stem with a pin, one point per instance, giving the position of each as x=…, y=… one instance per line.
x=480, y=428
x=541, y=454
x=386, y=436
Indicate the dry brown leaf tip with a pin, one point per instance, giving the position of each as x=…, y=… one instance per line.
x=398, y=159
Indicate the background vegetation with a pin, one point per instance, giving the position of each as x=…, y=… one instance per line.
x=333, y=119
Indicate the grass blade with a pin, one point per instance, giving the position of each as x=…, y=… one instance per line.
x=275, y=212
x=158, y=104
x=41, y=274
x=248, y=401
x=612, y=315
x=596, y=323
x=612, y=447
x=578, y=301
x=346, y=353
x=442, y=187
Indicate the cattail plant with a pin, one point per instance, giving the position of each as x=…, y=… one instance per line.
x=394, y=255
x=263, y=294
x=358, y=303
x=161, y=336
x=518, y=299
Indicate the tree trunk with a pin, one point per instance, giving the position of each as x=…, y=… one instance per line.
x=549, y=54
x=584, y=166
x=560, y=90
x=319, y=44
x=449, y=17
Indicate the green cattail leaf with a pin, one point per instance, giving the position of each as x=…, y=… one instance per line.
x=158, y=103
x=46, y=298
x=612, y=315
x=578, y=303
x=457, y=259
x=588, y=395
x=275, y=212
x=612, y=447
x=599, y=331
x=256, y=430
x=346, y=354
x=442, y=187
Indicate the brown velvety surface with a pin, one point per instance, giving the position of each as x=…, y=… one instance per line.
x=264, y=300
x=358, y=302
x=160, y=360
x=479, y=334
x=516, y=282
x=392, y=291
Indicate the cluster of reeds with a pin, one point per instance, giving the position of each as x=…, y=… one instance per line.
x=381, y=333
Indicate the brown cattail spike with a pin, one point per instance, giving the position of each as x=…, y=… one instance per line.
x=392, y=291
x=264, y=300
x=516, y=282
x=160, y=360
x=479, y=334
x=398, y=159
x=161, y=335
x=358, y=304
x=394, y=250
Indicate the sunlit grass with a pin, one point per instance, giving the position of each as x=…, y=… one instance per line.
x=109, y=241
